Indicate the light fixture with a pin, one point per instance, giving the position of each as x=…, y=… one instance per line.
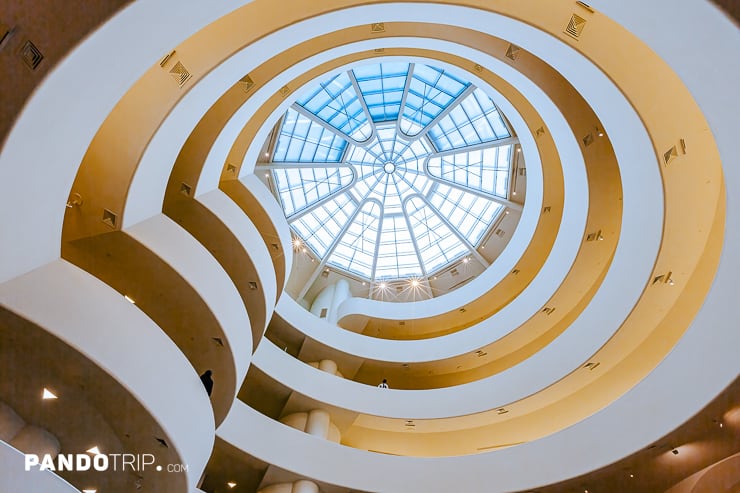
x=297, y=242
x=47, y=394
x=466, y=260
x=507, y=212
x=94, y=450
x=129, y=299
x=513, y=193
x=414, y=282
x=231, y=484
x=267, y=175
x=304, y=250
x=382, y=285
x=89, y=491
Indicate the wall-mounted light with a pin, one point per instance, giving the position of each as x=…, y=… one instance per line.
x=48, y=394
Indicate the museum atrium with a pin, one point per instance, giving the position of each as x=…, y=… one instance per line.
x=354, y=246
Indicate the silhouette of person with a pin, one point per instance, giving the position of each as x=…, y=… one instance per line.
x=383, y=384
x=207, y=381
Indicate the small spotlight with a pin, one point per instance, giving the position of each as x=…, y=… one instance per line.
x=231, y=484
x=297, y=242
x=466, y=260
x=94, y=450
x=304, y=250
x=414, y=283
x=382, y=285
x=267, y=175
x=507, y=212
x=513, y=193
x=518, y=149
x=267, y=154
x=601, y=134
x=632, y=475
x=47, y=394
x=674, y=451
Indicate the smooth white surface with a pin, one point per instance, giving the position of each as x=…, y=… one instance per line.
x=204, y=274
x=98, y=322
x=14, y=477
x=263, y=196
x=245, y=232
x=695, y=371
x=73, y=92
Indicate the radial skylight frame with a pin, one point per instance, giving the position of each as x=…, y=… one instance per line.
x=391, y=171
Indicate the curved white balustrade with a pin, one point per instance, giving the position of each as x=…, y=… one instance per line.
x=698, y=367
x=98, y=322
x=14, y=477
x=197, y=266
x=34, y=241
x=245, y=232
x=263, y=196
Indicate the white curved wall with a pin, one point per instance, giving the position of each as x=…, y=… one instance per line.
x=98, y=322
x=197, y=266
x=14, y=477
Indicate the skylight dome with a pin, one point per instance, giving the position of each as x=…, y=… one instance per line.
x=392, y=171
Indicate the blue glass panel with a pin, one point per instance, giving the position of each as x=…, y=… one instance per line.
x=382, y=87
x=475, y=120
x=431, y=91
x=303, y=140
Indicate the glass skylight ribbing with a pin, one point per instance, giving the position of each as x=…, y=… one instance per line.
x=306, y=141
x=485, y=170
x=338, y=104
x=299, y=188
x=356, y=248
x=320, y=227
x=382, y=88
x=475, y=120
x=431, y=90
x=380, y=214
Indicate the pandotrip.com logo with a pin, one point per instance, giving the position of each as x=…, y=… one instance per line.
x=99, y=462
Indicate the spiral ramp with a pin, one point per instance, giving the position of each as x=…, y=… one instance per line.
x=141, y=246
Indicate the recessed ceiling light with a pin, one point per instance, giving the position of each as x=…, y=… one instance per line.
x=129, y=299
x=414, y=283
x=47, y=394
x=94, y=450
x=382, y=285
x=466, y=260
x=231, y=484
x=632, y=475
x=89, y=491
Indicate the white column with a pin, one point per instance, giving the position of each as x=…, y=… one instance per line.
x=305, y=486
x=328, y=366
x=318, y=423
